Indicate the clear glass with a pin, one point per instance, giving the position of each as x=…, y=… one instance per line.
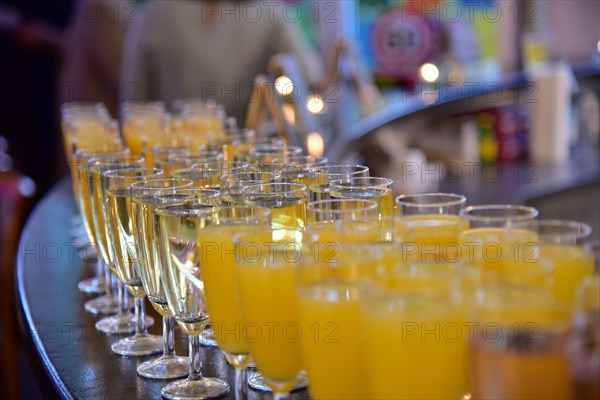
x=95, y=285
x=414, y=319
x=321, y=175
x=287, y=202
x=208, y=175
x=119, y=215
x=232, y=185
x=195, y=157
x=373, y=188
x=124, y=320
x=178, y=211
x=562, y=244
x=108, y=303
x=526, y=356
x=146, y=234
x=265, y=276
x=498, y=215
x=430, y=203
x=218, y=228
x=584, y=343
x=238, y=149
x=296, y=168
x=264, y=154
x=325, y=211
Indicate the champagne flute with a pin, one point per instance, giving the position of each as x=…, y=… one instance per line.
x=117, y=185
x=264, y=154
x=287, y=202
x=177, y=211
x=123, y=321
x=232, y=185
x=265, y=271
x=430, y=204
x=106, y=304
x=146, y=236
x=94, y=285
x=215, y=238
x=296, y=168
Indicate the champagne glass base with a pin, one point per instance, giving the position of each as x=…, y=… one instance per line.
x=257, y=382
x=102, y=305
x=207, y=338
x=92, y=286
x=165, y=367
x=204, y=388
x=120, y=323
x=138, y=345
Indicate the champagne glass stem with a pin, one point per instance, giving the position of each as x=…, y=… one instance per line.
x=140, y=316
x=108, y=280
x=241, y=386
x=168, y=336
x=195, y=362
x=121, y=297
x=280, y=396
x=99, y=269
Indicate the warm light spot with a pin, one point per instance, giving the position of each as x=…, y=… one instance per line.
x=598, y=46
x=315, y=104
x=289, y=113
x=315, y=144
x=284, y=85
x=429, y=72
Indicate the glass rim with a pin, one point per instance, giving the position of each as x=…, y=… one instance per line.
x=185, y=189
x=580, y=230
x=147, y=184
x=313, y=204
x=526, y=213
x=341, y=182
x=294, y=187
x=120, y=172
x=266, y=213
x=324, y=168
x=129, y=158
x=453, y=200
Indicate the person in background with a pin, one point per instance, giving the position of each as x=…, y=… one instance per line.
x=209, y=49
x=92, y=51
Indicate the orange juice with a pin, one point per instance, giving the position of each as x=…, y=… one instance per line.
x=268, y=299
x=571, y=265
x=518, y=349
x=415, y=347
x=331, y=342
x=220, y=289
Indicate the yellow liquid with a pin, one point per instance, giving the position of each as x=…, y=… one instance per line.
x=119, y=214
x=268, y=301
x=382, y=196
x=220, y=287
x=331, y=342
x=146, y=234
x=530, y=364
x=430, y=238
x=179, y=253
x=571, y=265
x=403, y=362
x=319, y=192
x=98, y=215
x=201, y=178
x=86, y=204
x=287, y=213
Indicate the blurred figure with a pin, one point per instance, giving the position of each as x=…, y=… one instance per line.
x=92, y=52
x=209, y=49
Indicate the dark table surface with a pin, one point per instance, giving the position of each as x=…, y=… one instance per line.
x=71, y=358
